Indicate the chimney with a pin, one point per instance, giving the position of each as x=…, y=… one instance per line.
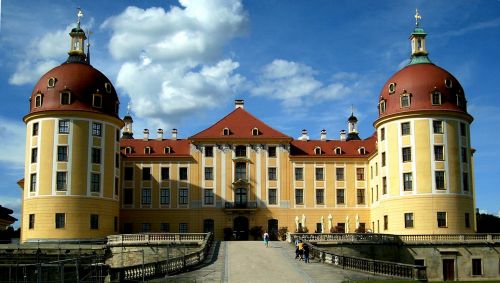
x=239, y=103
x=146, y=134
x=342, y=135
x=174, y=134
x=304, y=136
x=160, y=135
x=322, y=135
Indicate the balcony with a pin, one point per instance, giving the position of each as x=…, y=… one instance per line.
x=238, y=207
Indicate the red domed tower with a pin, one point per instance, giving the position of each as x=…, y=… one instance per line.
x=424, y=151
x=72, y=152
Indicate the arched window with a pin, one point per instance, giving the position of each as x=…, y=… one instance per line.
x=38, y=100
x=382, y=106
x=65, y=98
x=255, y=132
x=317, y=150
x=51, y=82
x=225, y=132
x=128, y=150
x=361, y=150
x=208, y=226
x=405, y=100
x=338, y=151
x=167, y=150
x=97, y=100
x=392, y=88
x=436, y=98
x=147, y=150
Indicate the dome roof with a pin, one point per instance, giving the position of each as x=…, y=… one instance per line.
x=426, y=86
x=89, y=90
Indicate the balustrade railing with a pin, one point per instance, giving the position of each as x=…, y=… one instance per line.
x=245, y=205
x=154, y=238
x=163, y=267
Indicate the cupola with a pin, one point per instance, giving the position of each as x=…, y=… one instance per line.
x=77, y=47
x=352, y=124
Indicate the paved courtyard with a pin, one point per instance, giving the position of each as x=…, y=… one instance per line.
x=252, y=262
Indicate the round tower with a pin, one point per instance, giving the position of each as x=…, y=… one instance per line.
x=72, y=152
x=424, y=152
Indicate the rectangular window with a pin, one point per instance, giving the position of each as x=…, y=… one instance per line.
x=464, y=154
x=319, y=174
x=94, y=221
x=34, y=155
x=360, y=196
x=405, y=128
x=61, y=181
x=407, y=181
x=439, y=152
x=64, y=126
x=463, y=131
x=209, y=173
x=299, y=174
x=340, y=196
x=33, y=182
x=439, y=178
x=299, y=196
x=437, y=126
x=241, y=171
x=383, y=159
x=117, y=135
x=386, y=222
x=34, y=130
x=271, y=151
x=146, y=197
x=441, y=219
x=183, y=227
x=96, y=155
x=272, y=198
x=467, y=220
x=164, y=196
x=271, y=173
x=146, y=227
x=209, y=196
x=376, y=191
x=436, y=98
x=117, y=185
x=241, y=151
x=146, y=173
x=408, y=220
x=339, y=174
x=65, y=98
x=320, y=196
x=209, y=151
x=183, y=173
x=31, y=221
x=183, y=196
x=129, y=173
x=128, y=196
x=60, y=220
x=165, y=173
x=477, y=268
x=95, y=182
x=165, y=227
x=382, y=134
x=406, y=151
x=360, y=174
x=117, y=160
x=371, y=172
x=384, y=185
x=405, y=101
x=465, y=181
x=96, y=129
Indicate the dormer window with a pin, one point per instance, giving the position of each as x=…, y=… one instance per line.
x=381, y=107
x=97, y=101
x=436, y=98
x=362, y=150
x=392, y=88
x=147, y=150
x=107, y=87
x=317, y=150
x=167, y=150
x=128, y=150
x=461, y=101
x=38, y=100
x=225, y=132
x=51, y=82
x=448, y=83
x=405, y=100
x=255, y=132
x=338, y=151
x=65, y=98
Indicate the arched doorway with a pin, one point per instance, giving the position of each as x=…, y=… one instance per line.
x=240, y=228
x=208, y=226
x=272, y=229
x=240, y=198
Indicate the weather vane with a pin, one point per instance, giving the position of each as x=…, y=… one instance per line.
x=79, y=15
x=129, y=107
x=417, y=17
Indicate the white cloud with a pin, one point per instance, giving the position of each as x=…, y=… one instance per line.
x=295, y=84
x=12, y=134
x=171, y=59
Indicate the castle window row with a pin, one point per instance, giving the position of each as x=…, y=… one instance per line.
x=435, y=97
x=60, y=221
x=441, y=220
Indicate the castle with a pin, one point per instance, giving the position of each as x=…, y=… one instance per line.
x=87, y=176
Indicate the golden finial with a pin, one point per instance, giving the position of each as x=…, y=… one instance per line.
x=79, y=15
x=417, y=17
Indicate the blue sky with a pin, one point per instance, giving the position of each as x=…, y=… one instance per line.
x=298, y=64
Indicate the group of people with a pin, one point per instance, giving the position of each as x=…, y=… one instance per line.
x=301, y=251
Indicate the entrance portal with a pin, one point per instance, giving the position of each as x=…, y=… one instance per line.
x=448, y=269
x=272, y=229
x=240, y=228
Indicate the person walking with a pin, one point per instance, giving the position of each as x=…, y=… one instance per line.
x=266, y=239
x=301, y=250
x=306, y=253
x=296, y=248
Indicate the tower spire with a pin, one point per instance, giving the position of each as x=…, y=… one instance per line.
x=417, y=38
x=78, y=37
x=352, y=125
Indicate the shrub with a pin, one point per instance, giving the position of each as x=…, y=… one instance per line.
x=282, y=233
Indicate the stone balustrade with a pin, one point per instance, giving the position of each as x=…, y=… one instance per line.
x=155, y=239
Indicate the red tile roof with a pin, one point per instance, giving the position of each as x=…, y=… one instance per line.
x=348, y=148
x=178, y=148
x=240, y=124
